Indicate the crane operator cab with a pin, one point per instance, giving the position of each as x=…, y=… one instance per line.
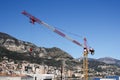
x=91, y=50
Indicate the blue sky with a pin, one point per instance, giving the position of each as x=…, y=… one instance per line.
x=98, y=20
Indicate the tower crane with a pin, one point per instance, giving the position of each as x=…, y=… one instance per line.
x=86, y=49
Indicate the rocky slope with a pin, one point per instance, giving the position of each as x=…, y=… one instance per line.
x=29, y=50
x=14, y=44
x=19, y=50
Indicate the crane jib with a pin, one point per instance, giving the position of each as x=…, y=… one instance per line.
x=34, y=19
x=63, y=35
x=60, y=33
x=76, y=42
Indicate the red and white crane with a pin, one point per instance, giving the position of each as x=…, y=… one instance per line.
x=87, y=49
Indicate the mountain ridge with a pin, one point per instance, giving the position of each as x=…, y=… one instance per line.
x=19, y=50
x=109, y=60
x=30, y=49
x=6, y=36
x=10, y=42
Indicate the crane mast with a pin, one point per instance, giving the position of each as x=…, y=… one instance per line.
x=85, y=47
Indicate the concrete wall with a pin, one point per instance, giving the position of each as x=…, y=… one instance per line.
x=9, y=78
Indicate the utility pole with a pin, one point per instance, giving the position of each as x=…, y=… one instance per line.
x=63, y=69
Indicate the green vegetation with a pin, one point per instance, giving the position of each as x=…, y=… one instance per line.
x=27, y=57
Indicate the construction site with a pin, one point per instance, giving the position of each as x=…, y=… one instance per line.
x=59, y=40
x=29, y=71
x=86, y=48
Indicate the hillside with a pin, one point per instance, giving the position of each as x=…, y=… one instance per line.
x=18, y=51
